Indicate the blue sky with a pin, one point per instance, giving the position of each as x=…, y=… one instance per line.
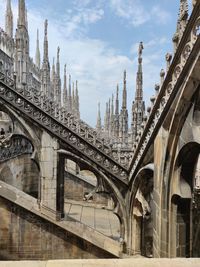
x=99, y=39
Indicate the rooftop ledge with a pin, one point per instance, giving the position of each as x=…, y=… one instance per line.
x=142, y=262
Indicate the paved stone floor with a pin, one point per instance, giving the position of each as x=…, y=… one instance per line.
x=107, y=263
x=100, y=219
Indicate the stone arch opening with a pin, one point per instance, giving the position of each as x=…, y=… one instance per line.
x=22, y=173
x=142, y=213
x=88, y=198
x=185, y=203
x=6, y=126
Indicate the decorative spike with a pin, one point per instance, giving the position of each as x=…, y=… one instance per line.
x=65, y=94
x=139, y=81
x=58, y=62
x=46, y=86
x=70, y=94
x=21, y=14
x=9, y=19
x=53, y=71
x=46, y=52
x=77, y=101
x=124, y=103
x=106, y=122
x=112, y=106
x=116, y=119
x=73, y=99
x=98, y=126
x=138, y=106
x=117, y=101
x=26, y=18
x=37, y=54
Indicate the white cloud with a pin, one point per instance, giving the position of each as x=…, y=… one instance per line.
x=160, y=15
x=131, y=10
x=137, y=14
x=97, y=66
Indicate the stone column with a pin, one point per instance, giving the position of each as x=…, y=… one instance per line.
x=48, y=163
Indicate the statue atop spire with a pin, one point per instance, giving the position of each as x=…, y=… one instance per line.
x=9, y=19
x=37, y=54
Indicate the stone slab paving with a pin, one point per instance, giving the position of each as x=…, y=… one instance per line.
x=107, y=263
x=102, y=220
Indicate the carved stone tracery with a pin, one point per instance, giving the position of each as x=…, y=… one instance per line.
x=74, y=132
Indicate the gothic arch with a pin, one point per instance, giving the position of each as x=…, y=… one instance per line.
x=28, y=131
x=140, y=212
x=120, y=209
x=180, y=132
x=182, y=207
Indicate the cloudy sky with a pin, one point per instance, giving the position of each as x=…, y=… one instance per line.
x=99, y=39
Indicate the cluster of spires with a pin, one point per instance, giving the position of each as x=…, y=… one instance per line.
x=115, y=128
x=46, y=78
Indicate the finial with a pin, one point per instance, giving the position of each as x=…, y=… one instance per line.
x=99, y=110
x=141, y=47
x=153, y=100
x=37, y=54
x=112, y=105
x=58, y=51
x=168, y=58
x=9, y=19
x=124, y=75
x=157, y=88
x=45, y=27
x=65, y=69
x=162, y=76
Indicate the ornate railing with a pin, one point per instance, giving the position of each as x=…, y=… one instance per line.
x=77, y=134
x=15, y=146
x=186, y=51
